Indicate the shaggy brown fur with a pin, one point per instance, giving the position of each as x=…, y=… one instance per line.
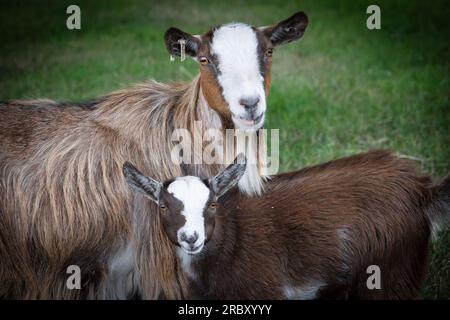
x=315, y=231
x=63, y=200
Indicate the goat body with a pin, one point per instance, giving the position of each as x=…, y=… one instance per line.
x=314, y=233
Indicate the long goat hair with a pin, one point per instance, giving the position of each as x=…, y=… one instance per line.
x=63, y=200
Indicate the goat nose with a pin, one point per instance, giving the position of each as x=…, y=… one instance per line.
x=249, y=103
x=191, y=239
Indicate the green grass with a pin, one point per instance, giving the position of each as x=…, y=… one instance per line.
x=343, y=89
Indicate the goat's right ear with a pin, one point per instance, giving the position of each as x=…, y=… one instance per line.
x=287, y=30
x=172, y=38
x=228, y=178
x=149, y=187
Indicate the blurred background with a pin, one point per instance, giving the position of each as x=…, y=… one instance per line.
x=341, y=90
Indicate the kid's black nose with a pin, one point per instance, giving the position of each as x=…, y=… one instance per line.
x=189, y=239
x=192, y=239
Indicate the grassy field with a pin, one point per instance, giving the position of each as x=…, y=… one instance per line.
x=343, y=89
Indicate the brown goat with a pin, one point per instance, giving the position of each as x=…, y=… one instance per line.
x=313, y=234
x=63, y=200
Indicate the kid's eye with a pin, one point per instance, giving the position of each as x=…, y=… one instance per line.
x=213, y=205
x=204, y=60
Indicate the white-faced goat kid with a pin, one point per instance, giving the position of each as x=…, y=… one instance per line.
x=313, y=234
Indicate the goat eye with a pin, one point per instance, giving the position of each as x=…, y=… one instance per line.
x=204, y=60
x=269, y=52
x=213, y=205
x=163, y=208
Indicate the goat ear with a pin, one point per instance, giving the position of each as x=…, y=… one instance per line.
x=172, y=38
x=287, y=30
x=149, y=187
x=228, y=178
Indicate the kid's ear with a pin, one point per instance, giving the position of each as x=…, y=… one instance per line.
x=228, y=178
x=287, y=30
x=172, y=38
x=146, y=185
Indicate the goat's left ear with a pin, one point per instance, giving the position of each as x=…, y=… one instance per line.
x=172, y=38
x=287, y=30
x=228, y=178
x=146, y=185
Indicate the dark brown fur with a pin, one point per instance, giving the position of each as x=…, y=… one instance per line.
x=325, y=224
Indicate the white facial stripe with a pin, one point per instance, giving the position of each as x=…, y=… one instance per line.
x=235, y=46
x=307, y=292
x=194, y=194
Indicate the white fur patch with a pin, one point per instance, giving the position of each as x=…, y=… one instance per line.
x=186, y=263
x=252, y=182
x=344, y=234
x=346, y=249
x=121, y=282
x=194, y=194
x=236, y=47
x=306, y=292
